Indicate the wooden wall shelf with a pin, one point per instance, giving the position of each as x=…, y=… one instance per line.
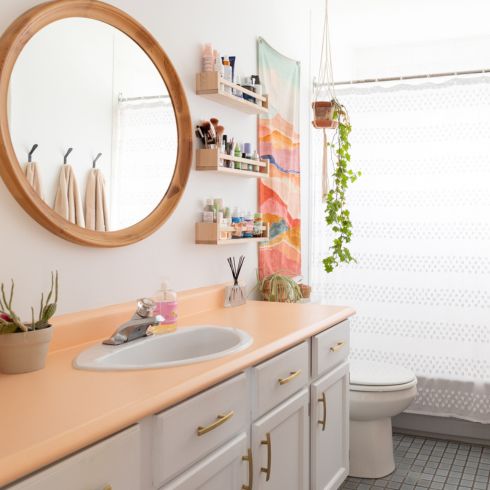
x=209, y=159
x=208, y=234
x=209, y=84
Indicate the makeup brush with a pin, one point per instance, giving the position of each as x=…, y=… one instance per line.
x=200, y=134
x=214, y=121
x=206, y=128
x=219, y=135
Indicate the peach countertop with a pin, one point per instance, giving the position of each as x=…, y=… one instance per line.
x=48, y=414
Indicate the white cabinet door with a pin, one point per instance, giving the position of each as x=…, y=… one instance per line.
x=330, y=429
x=111, y=464
x=225, y=469
x=280, y=446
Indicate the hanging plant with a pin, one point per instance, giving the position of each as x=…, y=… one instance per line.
x=337, y=216
x=331, y=114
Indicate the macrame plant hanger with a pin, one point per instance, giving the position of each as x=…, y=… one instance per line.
x=324, y=110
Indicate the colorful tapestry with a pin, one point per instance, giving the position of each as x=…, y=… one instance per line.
x=279, y=195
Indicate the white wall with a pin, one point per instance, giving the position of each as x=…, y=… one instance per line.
x=386, y=38
x=92, y=277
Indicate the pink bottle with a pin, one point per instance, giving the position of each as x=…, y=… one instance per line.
x=167, y=304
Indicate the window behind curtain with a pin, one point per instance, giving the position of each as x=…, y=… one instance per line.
x=146, y=150
x=421, y=236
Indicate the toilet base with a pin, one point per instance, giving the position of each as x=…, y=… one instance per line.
x=371, y=448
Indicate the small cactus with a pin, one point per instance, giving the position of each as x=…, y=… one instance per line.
x=10, y=321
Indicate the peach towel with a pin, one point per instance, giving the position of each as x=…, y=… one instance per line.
x=96, y=213
x=31, y=172
x=67, y=202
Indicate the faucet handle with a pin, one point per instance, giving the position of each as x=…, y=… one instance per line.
x=146, y=307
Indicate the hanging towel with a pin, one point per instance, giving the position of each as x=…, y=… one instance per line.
x=68, y=203
x=31, y=172
x=96, y=213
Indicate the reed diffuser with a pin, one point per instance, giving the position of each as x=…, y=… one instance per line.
x=235, y=294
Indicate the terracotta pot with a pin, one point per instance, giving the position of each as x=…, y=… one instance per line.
x=23, y=352
x=323, y=114
x=305, y=290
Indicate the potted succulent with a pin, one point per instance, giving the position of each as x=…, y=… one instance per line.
x=279, y=288
x=24, y=346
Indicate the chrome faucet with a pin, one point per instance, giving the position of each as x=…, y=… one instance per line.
x=137, y=327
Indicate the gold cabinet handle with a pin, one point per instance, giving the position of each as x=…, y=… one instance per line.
x=250, y=460
x=220, y=420
x=292, y=375
x=323, y=401
x=107, y=487
x=267, y=443
x=337, y=346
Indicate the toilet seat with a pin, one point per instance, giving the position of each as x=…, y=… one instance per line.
x=376, y=376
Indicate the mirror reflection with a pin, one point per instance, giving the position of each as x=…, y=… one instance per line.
x=101, y=115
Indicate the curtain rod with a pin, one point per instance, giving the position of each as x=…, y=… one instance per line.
x=146, y=97
x=409, y=77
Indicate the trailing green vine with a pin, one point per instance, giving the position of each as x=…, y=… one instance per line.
x=337, y=216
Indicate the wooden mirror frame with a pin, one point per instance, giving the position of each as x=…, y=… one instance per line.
x=11, y=44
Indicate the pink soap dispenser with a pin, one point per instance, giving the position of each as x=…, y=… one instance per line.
x=167, y=304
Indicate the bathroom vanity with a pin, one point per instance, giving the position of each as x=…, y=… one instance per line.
x=273, y=416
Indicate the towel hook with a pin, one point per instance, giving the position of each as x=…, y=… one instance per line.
x=66, y=155
x=96, y=158
x=33, y=149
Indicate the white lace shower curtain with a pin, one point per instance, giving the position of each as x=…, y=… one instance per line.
x=146, y=149
x=421, y=236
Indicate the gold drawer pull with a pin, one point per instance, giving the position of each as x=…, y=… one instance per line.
x=337, y=346
x=267, y=443
x=107, y=487
x=292, y=375
x=220, y=420
x=323, y=401
x=250, y=460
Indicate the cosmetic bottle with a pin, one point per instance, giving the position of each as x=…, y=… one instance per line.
x=244, y=165
x=257, y=87
x=255, y=156
x=166, y=305
x=218, y=64
x=227, y=221
x=207, y=57
x=238, y=153
x=258, y=225
x=236, y=223
x=247, y=83
x=218, y=202
x=227, y=74
x=236, y=81
x=249, y=226
x=232, y=60
x=247, y=149
x=208, y=212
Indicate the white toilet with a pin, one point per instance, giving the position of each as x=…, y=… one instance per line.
x=377, y=392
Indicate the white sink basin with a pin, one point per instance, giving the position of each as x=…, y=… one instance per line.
x=185, y=346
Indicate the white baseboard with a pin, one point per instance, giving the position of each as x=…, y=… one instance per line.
x=442, y=428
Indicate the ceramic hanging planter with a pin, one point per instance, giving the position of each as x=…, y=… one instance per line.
x=323, y=114
x=23, y=352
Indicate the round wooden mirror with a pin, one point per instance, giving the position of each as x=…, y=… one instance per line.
x=92, y=91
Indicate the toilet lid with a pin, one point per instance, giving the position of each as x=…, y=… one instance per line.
x=367, y=373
